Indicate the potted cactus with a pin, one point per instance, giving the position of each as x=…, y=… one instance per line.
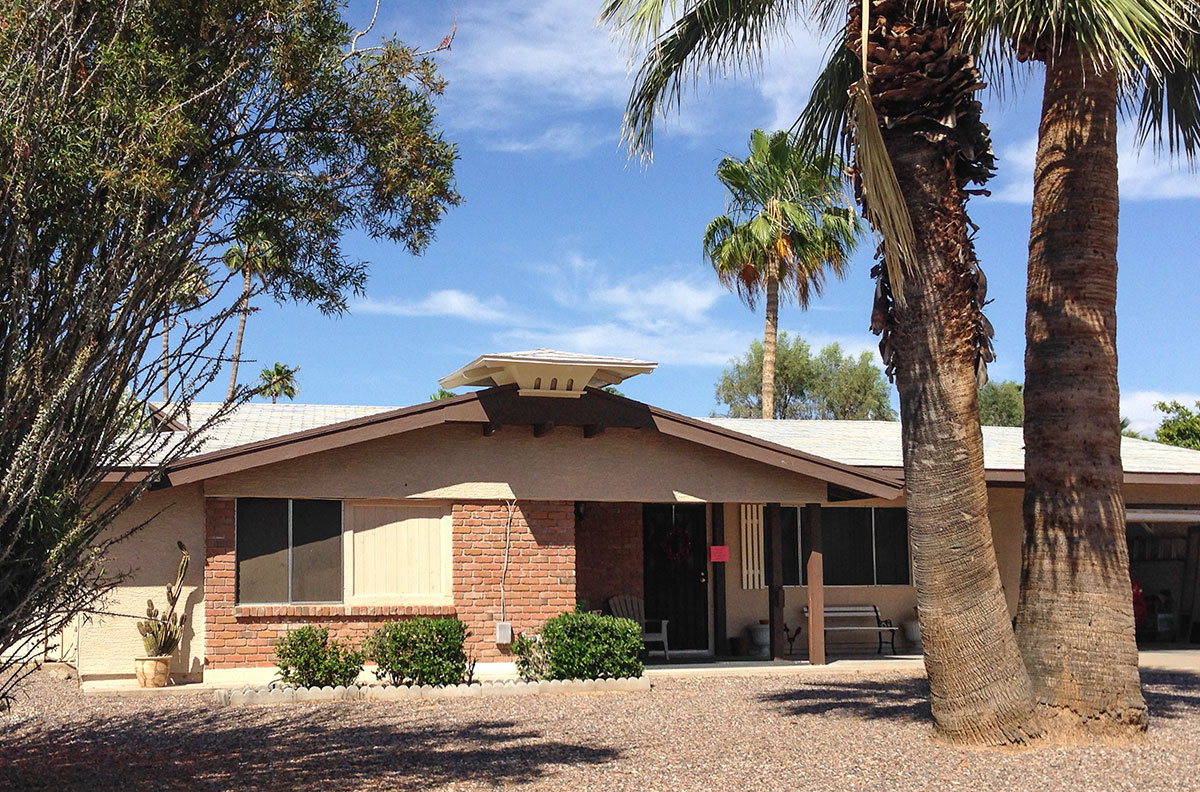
x=161, y=634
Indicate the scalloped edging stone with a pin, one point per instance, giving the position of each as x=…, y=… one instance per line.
x=248, y=696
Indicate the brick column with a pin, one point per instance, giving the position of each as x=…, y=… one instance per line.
x=540, y=579
x=220, y=644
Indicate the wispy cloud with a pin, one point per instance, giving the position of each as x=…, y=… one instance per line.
x=1143, y=174
x=674, y=345
x=574, y=140
x=446, y=303
x=1138, y=407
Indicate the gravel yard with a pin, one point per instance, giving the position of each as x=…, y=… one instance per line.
x=823, y=731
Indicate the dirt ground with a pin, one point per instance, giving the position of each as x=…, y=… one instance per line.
x=835, y=732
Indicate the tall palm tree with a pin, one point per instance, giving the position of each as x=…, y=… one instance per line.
x=902, y=64
x=1075, y=623
x=785, y=225
x=187, y=295
x=278, y=380
x=252, y=256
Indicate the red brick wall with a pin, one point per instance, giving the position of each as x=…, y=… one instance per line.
x=608, y=550
x=245, y=635
x=540, y=582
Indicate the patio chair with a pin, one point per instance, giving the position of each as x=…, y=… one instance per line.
x=628, y=607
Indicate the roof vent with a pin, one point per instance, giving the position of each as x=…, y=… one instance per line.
x=546, y=372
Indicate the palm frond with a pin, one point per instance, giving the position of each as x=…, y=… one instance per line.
x=717, y=36
x=882, y=196
x=1169, y=108
x=1125, y=36
x=823, y=125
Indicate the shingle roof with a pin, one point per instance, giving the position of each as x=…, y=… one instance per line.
x=873, y=444
x=877, y=444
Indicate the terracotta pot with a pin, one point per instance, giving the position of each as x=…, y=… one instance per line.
x=152, y=672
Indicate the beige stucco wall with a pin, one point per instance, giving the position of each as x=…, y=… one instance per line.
x=108, y=644
x=457, y=462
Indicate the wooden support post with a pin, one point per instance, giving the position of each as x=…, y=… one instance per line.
x=773, y=545
x=543, y=429
x=721, y=642
x=490, y=428
x=814, y=566
x=593, y=430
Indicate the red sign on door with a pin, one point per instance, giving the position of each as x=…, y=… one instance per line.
x=718, y=553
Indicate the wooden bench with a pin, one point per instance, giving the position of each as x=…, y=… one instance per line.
x=882, y=627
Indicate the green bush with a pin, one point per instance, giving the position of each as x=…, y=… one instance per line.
x=421, y=651
x=308, y=658
x=590, y=646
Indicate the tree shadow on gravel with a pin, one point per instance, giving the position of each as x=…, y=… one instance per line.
x=274, y=749
x=902, y=699
x=1171, y=694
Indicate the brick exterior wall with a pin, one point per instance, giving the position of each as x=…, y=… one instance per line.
x=608, y=551
x=540, y=583
x=244, y=635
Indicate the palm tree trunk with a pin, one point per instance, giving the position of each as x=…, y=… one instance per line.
x=166, y=357
x=979, y=690
x=770, y=337
x=241, y=331
x=1075, y=621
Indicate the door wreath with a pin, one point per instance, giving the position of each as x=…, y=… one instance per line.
x=676, y=543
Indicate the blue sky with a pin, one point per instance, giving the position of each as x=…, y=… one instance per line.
x=564, y=242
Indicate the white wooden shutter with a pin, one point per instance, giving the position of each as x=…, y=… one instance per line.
x=397, y=553
x=753, y=568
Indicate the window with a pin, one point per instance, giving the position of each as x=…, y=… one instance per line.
x=289, y=550
x=862, y=547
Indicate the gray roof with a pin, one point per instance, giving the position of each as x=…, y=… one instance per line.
x=877, y=444
x=862, y=443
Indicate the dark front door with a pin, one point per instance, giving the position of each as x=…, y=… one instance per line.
x=675, y=567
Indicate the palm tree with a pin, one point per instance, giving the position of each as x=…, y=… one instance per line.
x=904, y=66
x=1075, y=623
x=187, y=295
x=278, y=380
x=784, y=226
x=252, y=256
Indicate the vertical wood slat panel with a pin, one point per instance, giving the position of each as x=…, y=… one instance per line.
x=753, y=567
x=399, y=550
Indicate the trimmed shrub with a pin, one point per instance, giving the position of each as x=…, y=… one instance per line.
x=421, y=651
x=590, y=646
x=307, y=657
x=531, y=657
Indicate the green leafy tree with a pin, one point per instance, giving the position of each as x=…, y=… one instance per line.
x=441, y=393
x=1075, y=601
x=785, y=226
x=830, y=385
x=1001, y=404
x=141, y=136
x=278, y=380
x=1127, y=432
x=1180, y=426
x=901, y=96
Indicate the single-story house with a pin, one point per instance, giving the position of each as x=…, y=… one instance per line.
x=507, y=505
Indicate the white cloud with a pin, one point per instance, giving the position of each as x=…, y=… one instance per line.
x=572, y=139
x=1138, y=407
x=446, y=302
x=659, y=303
x=675, y=345
x=1143, y=175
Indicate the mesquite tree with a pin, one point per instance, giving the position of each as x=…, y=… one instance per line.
x=140, y=138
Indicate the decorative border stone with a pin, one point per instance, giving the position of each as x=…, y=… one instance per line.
x=276, y=694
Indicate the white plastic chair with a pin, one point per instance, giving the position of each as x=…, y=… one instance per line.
x=629, y=607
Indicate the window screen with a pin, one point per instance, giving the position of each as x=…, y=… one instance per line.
x=891, y=547
x=289, y=551
x=790, y=525
x=316, y=551
x=846, y=536
x=262, y=550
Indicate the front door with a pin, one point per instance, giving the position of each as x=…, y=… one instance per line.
x=675, y=568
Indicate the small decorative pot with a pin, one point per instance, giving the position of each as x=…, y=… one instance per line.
x=912, y=631
x=152, y=672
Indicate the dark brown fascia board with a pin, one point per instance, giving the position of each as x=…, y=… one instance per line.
x=324, y=438
x=747, y=447
x=467, y=409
